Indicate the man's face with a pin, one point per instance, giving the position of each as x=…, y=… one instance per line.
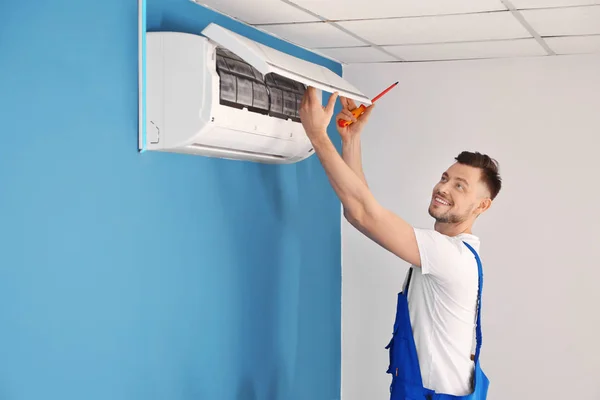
x=458, y=195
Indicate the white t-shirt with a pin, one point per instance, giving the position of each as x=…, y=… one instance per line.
x=442, y=301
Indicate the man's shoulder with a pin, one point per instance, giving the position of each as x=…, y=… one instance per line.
x=445, y=256
x=447, y=242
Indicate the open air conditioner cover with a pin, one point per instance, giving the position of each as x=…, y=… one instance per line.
x=268, y=60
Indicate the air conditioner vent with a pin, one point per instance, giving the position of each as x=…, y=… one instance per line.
x=243, y=86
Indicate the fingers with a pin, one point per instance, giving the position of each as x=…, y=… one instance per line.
x=311, y=98
x=304, y=99
x=331, y=103
x=365, y=115
x=351, y=104
x=344, y=102
x=310, y=95
x=314, y=95
x=346, y=115
x=344, y=118
x=347, y=104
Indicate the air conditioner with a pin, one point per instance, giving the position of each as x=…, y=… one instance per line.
x=224, y=95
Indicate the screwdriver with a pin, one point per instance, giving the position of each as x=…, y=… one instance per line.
x=359, y=110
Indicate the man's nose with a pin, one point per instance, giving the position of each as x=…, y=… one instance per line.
x=443, y=188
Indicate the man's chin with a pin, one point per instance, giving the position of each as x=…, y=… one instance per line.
x=437, y=216
x=433, y=214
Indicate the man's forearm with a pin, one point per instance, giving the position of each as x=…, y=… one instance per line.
x=350, y=189
x=352, y=155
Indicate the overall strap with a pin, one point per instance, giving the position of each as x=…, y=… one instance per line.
x=410, y=271
x=478, y=326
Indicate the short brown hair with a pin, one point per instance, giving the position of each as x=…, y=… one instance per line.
x=490, y=169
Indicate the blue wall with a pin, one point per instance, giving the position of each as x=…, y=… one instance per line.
x=148, y=276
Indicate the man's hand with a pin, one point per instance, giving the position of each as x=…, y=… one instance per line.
x=315, y=118
x=355, y=128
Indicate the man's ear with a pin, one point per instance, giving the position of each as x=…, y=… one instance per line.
x=484, y=205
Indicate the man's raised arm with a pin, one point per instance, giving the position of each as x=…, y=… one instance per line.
x=361, y=209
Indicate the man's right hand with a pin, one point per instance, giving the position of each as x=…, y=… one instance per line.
x=353, y=130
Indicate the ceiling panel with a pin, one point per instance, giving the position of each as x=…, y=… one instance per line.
x=575, y=44
x=472, y=50
x=313, y=35
x=357, y=9
x=523, y=4
x=452, y=28
x=253, y=12
x=357, y=54
x=565, y=21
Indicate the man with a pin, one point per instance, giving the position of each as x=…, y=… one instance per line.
x=444, y=278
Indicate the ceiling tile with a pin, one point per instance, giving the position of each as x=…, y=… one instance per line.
x=253, y=12
x=357, y=54
x=574, y=44
x=471, y=50
x=356, y=9
x=313, y=35
x=564, y=21
x=451, y=28
x=524, y=4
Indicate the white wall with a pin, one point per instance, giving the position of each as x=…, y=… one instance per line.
x=540, y=241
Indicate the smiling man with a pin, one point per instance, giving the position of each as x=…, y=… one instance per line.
x=431, y=350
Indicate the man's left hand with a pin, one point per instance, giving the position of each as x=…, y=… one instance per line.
x=315, y=118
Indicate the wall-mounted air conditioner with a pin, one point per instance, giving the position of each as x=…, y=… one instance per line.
x=224, y=95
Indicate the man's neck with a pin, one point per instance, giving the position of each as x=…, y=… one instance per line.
x=451, y=230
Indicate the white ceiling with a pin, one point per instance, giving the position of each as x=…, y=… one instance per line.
x=359, y=31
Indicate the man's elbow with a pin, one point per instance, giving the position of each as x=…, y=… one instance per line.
x=358, y=217
x=353, y=216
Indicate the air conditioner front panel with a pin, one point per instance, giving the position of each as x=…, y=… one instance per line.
x=155, y=110
x=189, y=94
x=180, y=90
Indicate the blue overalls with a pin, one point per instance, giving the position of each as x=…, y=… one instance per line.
x=407, y=383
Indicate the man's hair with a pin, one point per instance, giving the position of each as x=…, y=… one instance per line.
x=490, y=174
